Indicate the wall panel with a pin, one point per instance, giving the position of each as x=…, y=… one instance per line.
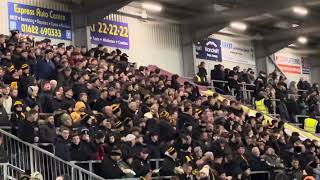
x=153, y=43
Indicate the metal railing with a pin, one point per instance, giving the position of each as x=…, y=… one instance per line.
x=8, y=171
x=253, y=174
x=30, y=157
x=89, y=165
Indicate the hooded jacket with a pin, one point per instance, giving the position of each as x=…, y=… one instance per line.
x=76, y=114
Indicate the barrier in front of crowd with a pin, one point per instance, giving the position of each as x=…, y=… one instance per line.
x=90, y=165
x=8, y=171
x=246, y=93
x=288, y=128
x=27, y=156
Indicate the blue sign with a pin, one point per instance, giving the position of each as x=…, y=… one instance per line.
x=209, y=49
x=39, y=21
x=110, y=33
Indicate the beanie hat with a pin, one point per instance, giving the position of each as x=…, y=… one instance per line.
x=115, y=108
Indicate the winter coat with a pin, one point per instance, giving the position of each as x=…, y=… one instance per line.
x=62, y=148
x=47, y=133
x=141, y=167
x=257, y=165
x=27, y=131
x=45, y=101
x=168, y=166
x=31, y=103
x=25, y=81
x=45, y=70
x=110, y=169
x=4, y=118
x=79, y=152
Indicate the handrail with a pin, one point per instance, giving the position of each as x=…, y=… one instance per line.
x=8, y=171
x=48, y=154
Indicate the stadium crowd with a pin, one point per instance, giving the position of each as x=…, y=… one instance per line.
x=287, y=99
x=100, y=106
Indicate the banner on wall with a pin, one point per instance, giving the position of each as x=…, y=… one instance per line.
x=238, y=52
x=110, y=33
x=209, y=49
x=288, y=64
x=38, y=21
x=306, y=67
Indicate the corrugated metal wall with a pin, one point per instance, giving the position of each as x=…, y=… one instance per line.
x=50, y=4
x=153, y=43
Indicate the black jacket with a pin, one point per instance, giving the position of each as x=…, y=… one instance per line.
x=167, y=168
x=4, y=118
x=57, y=104
x=99, y=104
x=257, y=165
x=141, y=167
x=62, y=148
x=68, y=103
x=27, y=132
x=24, y=82
x=45, y=100
x=31, y=103
x=110, y=169
x=79, y=152
x=154, y=148
x=47, y=133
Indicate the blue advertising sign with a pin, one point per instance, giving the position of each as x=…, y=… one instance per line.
x=209, y=49
x=39, y=21
x=110, y=33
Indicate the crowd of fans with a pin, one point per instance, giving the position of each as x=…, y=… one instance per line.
x=282, y=97
x=100, y=106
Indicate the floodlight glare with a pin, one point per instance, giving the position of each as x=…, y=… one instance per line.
x=239, y=26
x=300, y=10
x=152, y=6
x=302, y=40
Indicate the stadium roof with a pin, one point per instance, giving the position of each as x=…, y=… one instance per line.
x=271, y=23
